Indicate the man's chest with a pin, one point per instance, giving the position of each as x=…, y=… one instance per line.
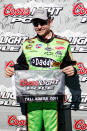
x=41, y=51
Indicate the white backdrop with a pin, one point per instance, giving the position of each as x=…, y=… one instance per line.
x=70, y=20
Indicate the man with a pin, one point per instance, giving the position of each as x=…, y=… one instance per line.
x=55, y=52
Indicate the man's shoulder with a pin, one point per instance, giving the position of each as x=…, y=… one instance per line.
x=61, y=39
x=31, y=40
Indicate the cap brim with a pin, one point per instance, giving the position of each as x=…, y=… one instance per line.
x=37, y=18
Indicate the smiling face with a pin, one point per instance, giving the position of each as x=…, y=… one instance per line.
x=42, y=27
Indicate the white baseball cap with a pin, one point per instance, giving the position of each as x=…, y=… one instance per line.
x=40, y=13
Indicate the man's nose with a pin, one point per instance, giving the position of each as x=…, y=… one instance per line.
x=39, y=26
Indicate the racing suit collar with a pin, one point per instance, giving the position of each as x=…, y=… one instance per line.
x=46, y=40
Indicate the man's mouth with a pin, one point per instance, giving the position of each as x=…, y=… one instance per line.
x=40, y=30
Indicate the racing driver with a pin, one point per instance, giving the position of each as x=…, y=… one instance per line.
x=56, y=52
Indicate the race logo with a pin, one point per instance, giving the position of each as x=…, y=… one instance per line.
x=58, y=53
x=78, y=44
x=13, y=121
x=79, y=100
x=25, y=15
x=38, y=45
x=30, y=41
x=59, y=48
x=48, y=48
x=29, y=47
x=79, y=9
x=80, y=125
x=10, y=10
x=11, y=43
x=31, y=85
x=41, y=62
x=82, y=72
x=55, y=64
x=10, y=64
x=48, y=53
x=82, y=69
x=60, y=42
x=38, y=85
x=76, y=99
x=7, y=98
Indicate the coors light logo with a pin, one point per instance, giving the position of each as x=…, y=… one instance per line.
x=10, y=10
x=79, y=9
x=80, y=125
x=24, y=15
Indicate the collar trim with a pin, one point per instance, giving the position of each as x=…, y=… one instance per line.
x=46, y=40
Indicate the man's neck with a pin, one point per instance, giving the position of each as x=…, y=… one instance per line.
x=48, y=36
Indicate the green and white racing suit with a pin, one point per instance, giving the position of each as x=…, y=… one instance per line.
x=40, y=54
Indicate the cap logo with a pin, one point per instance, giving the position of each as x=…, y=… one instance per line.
x=40, y=11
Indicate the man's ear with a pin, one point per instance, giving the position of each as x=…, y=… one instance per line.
x=50, y=22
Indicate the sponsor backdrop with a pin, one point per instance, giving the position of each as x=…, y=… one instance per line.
x=70, y=21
